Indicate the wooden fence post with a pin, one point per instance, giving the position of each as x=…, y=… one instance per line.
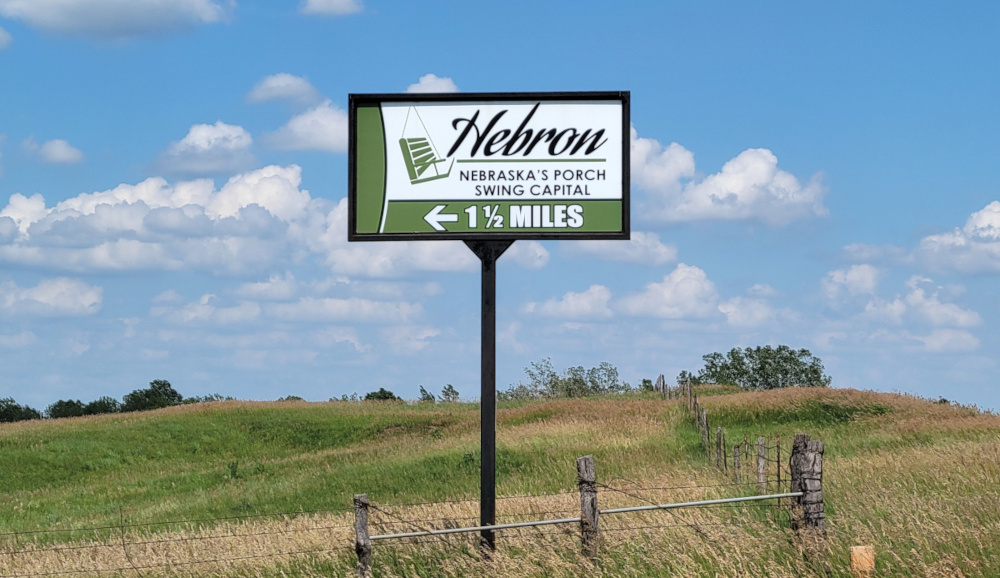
x=586, y=479
x=720, y=452
x=362, y=543
x=704, y=432
x=762, y=464
x=736, y=463
x=688, y=387
x=806, y=469
x=661, y=386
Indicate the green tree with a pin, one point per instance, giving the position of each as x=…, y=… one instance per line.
x=759, y=368
x=159, y=394
x=65, y=408
x=382, y=394
x=646, y=385
x=11, y=411
x=101, y=405
x=449, y=394
x=426, y=396
x=544, y=381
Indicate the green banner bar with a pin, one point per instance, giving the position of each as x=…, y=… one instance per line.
x=504, y=217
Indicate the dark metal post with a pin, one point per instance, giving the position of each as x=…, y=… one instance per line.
x=488, y=252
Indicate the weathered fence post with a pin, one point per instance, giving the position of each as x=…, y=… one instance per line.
x=762, y=464
x=586, y=478
x=806, y=470
x=736, y=463
x=720, y=452
x=688, y=387
x=704, y=432
x=661, y=386
x=362, y=543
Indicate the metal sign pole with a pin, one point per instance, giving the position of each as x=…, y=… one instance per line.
x=488, y=252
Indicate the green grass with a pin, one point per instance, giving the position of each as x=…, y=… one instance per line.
x=901, y=474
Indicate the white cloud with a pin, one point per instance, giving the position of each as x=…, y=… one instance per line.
x=432, y=83
x=527, y=254
x=51, y=297
x=745, y=312
x=208, y=149
x=284, y=86
x=311, y=309
x=857, y=280
x=749, y=187
x=762, y=290
x=331, y=7
x=948, y=340
x=685, y=292
x=256, y=222
x=205, y=311
x=408, y=339
x=933, y=311
x=5, y=39
x=276, y=288
x=53, y=152
x=590, y=304
x=975, y=248
x=641, y=249
x=322, y=128
x=113, y=19
x=23, y=339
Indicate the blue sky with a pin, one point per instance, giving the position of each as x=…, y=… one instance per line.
x=173, y=179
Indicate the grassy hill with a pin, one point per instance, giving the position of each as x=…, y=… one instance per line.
x=918, y=480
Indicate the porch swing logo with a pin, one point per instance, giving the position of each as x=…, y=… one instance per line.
x=424, y=164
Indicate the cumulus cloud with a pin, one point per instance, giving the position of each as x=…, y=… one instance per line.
x=922, y=305
x=641, y=249
x=5, y=39
x=276, y=288
x=208, y=149
x=432, y=83
x=53, y=152
x=745, y=312
x=408, y=339
x=206, y=311
x=948, y=340
x=113, y=19
x=313, y=309
x=749, y=187
x=51, y=298
x=590, y=304
x=856, y=280
x=527, y=254
x=684, y=293
x=321, y=128
x=331, y=7
x=974, y=248
x=284, y=86
x=255, y=222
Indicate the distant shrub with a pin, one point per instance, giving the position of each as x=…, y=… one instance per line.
x=11, y=411
x=290, y=398
x=382, y=394
x=65, y=408
x=102, y=405
x=544, y=382
x=426, y=396
x=646, y=385
x=159, y=394
x=206, y=398
x=449, y=394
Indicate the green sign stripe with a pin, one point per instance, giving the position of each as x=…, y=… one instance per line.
x=531, y=160
x=370, y=171
x=512, y=217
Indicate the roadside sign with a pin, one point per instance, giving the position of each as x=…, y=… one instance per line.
x=487, y=166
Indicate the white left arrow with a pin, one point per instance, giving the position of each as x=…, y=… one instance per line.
x=435, y=218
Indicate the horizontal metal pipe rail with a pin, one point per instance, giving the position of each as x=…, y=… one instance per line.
x=572, y=520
